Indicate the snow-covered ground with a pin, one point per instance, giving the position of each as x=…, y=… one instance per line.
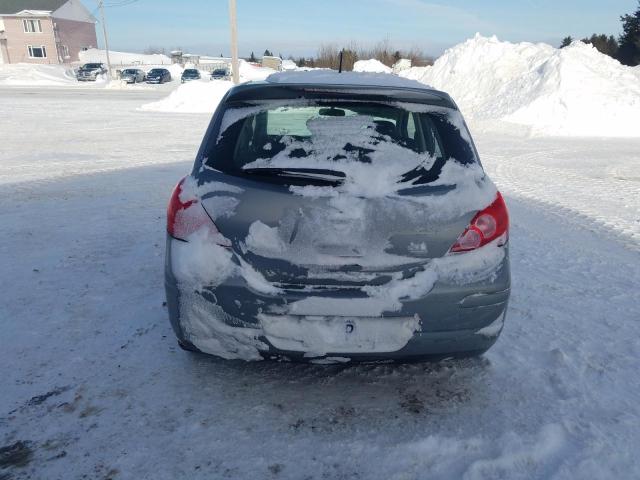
x=24, y=74
x=94, y=385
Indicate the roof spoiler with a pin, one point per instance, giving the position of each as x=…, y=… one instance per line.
x=261, y=91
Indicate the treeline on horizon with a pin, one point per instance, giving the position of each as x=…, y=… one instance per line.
x=626, y=48
x=328, y=55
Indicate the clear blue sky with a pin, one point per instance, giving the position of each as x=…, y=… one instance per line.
x=298, y=27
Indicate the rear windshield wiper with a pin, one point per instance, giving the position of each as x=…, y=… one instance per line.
x=316, y=174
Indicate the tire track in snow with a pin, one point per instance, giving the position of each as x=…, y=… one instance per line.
x=606, y=201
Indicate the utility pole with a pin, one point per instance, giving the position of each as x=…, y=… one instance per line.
x=104, y=31
x=234, y=42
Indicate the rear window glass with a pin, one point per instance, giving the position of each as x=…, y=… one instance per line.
x=339, y=136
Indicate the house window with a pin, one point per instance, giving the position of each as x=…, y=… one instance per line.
x=32, y=26
x=37, y=52
x=65, y=51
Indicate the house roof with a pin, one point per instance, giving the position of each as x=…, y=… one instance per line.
x=11, y=7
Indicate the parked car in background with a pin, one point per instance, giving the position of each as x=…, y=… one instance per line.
x=132, y=75
x=190, y=74
x=158, y=75
x=220, y=74
x=337, y=217
x=89, y=72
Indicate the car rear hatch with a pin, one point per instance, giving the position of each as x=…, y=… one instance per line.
x=327, y=195
x=299, y=242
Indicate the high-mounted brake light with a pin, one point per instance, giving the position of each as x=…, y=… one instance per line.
x=186, y=217
x=486, y=226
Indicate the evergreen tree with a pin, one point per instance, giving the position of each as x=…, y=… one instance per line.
x=252, y=58
x=629, y=41
x=566, y=41
x=267, y=53
x=603, y=44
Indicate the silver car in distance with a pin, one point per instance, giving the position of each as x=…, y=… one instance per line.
x=336, y=217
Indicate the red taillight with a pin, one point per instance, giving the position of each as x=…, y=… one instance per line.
x=486, y=226
x=185, y=216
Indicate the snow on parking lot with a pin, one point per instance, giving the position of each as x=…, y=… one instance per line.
x=94, y=385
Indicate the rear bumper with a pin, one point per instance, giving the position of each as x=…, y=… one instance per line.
x=451, y=320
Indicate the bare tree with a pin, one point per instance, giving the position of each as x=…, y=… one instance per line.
x=328, y=55
x=151, y=50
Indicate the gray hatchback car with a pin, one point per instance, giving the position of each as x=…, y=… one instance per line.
x=336, y=217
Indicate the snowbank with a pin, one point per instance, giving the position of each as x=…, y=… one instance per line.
x=289, y=65
x=26, y=74
x=574, y=91
x=192, y=97
x=372, y=65
x=402, y=64
x=250, y=72
x=204, y=96
x=94, y=55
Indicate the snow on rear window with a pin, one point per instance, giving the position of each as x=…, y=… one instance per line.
x=378, y=145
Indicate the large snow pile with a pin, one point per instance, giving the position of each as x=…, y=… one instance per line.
x=402, y=64
x=26, y=74
x=94, y=55
x=289, y=65
x=372, y=65
x=250, y=72
x=571, y=91
x=204, y=96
